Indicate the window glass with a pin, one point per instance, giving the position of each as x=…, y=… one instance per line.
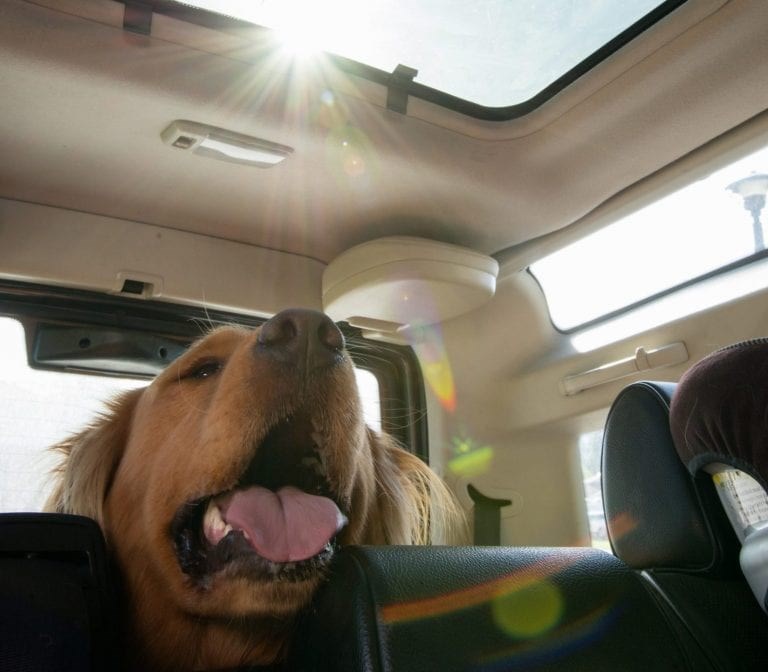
x=40, y=408
x=492, y=52
x=591, y=450
x=704, y=227
x=368, y=385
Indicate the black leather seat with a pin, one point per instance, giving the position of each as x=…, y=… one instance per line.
x=673, y=530
x=57, y=611
x=444, y=609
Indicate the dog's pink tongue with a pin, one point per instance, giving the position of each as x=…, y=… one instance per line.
x=284, y=526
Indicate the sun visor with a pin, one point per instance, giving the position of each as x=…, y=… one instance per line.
x=387, y=285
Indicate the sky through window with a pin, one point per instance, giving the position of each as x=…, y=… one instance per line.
x=495, y=53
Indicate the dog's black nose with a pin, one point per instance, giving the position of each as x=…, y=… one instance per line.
x=306, y=338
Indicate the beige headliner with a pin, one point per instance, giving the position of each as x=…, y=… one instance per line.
x=83, y=103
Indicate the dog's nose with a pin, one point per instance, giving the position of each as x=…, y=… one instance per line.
x=302, y=337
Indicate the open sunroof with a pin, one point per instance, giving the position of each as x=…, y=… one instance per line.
x=488, y=58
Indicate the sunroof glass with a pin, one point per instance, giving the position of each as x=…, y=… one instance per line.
x=495, y=53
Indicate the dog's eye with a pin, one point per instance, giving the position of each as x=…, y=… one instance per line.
x=203, y=370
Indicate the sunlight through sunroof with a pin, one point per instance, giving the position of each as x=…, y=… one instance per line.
x=495, y=53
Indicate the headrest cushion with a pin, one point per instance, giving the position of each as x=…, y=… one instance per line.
x=653, y=514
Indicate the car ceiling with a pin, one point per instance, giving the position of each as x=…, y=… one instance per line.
x=84, y=103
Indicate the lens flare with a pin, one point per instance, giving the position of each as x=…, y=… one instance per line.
x=622, y=524
x=540, y=652
x=326, y=113
x=473, y=596
x=528, y=611
x=427, y=343
x=348, y=149
x=469, y=459
x=440, y=378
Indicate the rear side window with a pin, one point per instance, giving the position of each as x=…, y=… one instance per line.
x=714, y=226
x=40, y=408
x=590, y=452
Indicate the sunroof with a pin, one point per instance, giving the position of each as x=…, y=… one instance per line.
x=493, y=53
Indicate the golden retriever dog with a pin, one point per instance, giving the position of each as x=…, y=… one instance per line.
x=225, y=487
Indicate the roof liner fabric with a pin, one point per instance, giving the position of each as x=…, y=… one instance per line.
x=88, y=102
x=719, y=412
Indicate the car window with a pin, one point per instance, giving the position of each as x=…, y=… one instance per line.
x=712, y=225
x=40, y=408
x=590, y=452
x=368, y=385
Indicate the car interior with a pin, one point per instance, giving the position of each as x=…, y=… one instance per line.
x=540, y=228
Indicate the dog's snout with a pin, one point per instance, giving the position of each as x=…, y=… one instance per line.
x=304, y=337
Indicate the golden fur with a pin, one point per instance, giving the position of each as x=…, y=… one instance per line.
x=190, y=435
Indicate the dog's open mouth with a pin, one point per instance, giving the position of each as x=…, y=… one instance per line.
x=279, y=522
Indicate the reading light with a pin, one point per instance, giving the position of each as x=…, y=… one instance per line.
x=219, y=143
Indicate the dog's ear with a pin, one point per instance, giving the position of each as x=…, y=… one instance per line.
x=90, y=460
x=412, y=504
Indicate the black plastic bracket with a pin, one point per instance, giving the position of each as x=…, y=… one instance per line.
x=137, y=17
x=487, y=517
x=397, y=90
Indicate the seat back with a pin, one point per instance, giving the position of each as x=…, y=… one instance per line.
x=423, y=609
x=672, y=529
x=57, y=609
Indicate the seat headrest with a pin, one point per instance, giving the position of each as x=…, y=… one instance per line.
x=656, y=517
x=720, y=411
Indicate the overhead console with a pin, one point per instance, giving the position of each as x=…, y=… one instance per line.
x=391, y=285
